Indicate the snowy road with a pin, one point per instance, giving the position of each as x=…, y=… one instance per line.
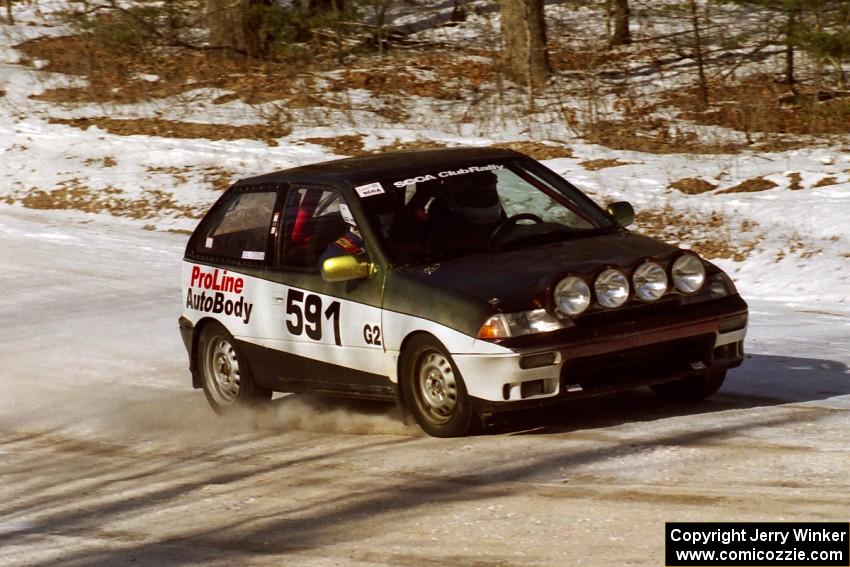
x=108, y=457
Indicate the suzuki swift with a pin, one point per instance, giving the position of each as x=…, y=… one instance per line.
x=458, y=283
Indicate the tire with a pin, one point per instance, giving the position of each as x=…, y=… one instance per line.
x=433, y=389
x=226, y=377
x=692, y=388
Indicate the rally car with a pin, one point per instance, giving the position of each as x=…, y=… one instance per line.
x=458, y=283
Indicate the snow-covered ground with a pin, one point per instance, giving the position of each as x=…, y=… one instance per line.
x=109, y=457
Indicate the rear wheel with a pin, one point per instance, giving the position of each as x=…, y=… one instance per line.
x=691, y=388
x=225, y=376
x=434, y=389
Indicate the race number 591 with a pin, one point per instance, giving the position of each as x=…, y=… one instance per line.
x=305, y=315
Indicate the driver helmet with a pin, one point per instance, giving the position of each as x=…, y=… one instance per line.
x=476, y=199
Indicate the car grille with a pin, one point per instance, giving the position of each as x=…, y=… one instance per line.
x=630, y=311
x=637, y=365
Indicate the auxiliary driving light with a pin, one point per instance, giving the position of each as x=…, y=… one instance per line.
x=612, y=288
x=572, y=295
x=650, y=281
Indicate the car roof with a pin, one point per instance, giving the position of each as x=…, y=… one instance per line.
x=401, y=164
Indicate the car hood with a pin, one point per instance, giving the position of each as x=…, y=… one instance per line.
x=517, y=280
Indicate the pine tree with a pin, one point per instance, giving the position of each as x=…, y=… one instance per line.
x=828, y=39
x=795, y=17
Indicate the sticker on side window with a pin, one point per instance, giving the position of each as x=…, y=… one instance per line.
x=370, y=190
x=250, y=255
x=209, y=242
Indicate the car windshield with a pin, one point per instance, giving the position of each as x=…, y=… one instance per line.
x=456, y=211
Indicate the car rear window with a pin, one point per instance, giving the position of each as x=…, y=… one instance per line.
x=239, y=228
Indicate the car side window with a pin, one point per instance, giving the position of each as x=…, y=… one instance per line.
x=239, y=230
x=312, y=221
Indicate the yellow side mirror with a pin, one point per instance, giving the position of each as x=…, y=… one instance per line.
x=345, y=268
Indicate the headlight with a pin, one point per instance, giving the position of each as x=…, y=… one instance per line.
x=612, y=288
x=719, y=285
x=506, y=325
x=650, y=281
x=688, y=273
x=572, y=295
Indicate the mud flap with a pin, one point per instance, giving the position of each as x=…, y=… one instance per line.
x=404, y=413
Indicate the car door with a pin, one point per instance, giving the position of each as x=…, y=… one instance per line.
x=326, y=335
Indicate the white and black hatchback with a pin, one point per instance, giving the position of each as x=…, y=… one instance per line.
x=457, y=282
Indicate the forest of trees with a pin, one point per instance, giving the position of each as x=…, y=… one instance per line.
x=806, y=43
x=263, y=29
x=819, y=27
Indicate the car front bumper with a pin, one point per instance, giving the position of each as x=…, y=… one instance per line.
x=607, y=358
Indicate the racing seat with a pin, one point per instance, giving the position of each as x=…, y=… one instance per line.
x=311, y=234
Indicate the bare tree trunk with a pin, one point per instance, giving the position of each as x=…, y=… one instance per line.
x=172, y=22
x=9, y=16
x=236, y=25
x=524, y=41
x=458, y=11
x=380, y=7
x=698, y=55
x=313, y=7
x=818, y=59
x=620, y=13
x=839, y=68
x=789, y=47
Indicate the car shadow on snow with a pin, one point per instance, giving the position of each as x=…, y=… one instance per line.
x=762, y=381
x=354, y=509
x=347, y=512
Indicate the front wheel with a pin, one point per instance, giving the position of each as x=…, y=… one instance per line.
x=691, y=388
x=225, y=376
x=434, y=389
